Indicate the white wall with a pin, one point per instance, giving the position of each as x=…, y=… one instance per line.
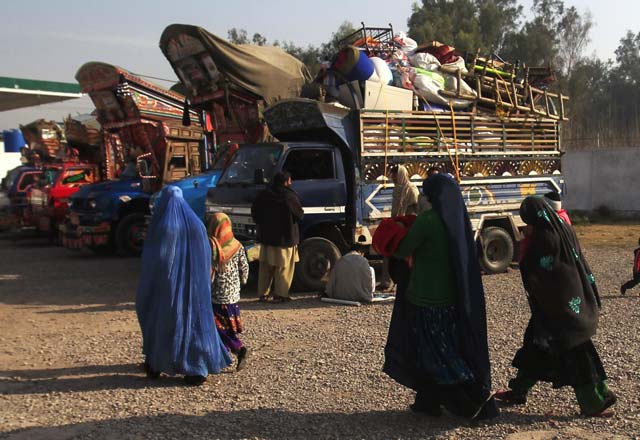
x=7, y=161
x=595, y=178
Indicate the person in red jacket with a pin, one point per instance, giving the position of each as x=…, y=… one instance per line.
x=636, y=272
x=554, y=200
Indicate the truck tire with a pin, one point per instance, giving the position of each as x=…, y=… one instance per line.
x=317, y=257
x=497, y=250
x=129, y=233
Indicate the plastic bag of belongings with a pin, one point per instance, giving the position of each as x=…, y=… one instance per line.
x=377, y=69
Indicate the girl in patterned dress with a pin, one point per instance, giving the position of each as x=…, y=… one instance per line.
x=229, y=270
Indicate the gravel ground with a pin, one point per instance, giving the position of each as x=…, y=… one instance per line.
x=70, y=354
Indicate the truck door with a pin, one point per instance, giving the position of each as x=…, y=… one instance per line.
x=319, y=180
x=183, y=153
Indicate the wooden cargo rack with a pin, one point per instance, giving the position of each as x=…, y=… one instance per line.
x=396, y=133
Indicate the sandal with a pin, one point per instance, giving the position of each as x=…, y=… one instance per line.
x=263, y=298
x=242, y=358
x=605, y=411
x=510, y=397
x=280, y=299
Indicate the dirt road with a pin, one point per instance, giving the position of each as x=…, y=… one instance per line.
x=70, y=349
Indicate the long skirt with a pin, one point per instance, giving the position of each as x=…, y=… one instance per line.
x=447, y=379
x=229, y=325
x=579, y=367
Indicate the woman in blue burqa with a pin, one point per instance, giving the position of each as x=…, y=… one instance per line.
x=173, y=301
x=437, y=341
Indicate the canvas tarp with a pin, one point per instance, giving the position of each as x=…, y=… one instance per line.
x=266, y=71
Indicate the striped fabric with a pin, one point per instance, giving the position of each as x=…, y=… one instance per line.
x=223, y=243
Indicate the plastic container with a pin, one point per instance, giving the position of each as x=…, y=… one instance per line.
x=13, y=140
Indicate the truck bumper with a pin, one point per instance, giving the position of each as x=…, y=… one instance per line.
x=79, y=236
x=8, y=221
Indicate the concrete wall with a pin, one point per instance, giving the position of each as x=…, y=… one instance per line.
x=595, y=178
x=8, y=161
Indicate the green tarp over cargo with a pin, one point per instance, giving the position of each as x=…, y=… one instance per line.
x=202, y=61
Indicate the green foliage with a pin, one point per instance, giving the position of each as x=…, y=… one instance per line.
x=628, y=58
x=311, y=55
x=237, y=36
x=469, y=25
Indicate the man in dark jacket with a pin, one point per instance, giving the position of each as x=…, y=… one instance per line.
x=277, y=212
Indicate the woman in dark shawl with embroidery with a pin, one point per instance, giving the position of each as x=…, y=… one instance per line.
x=173, y=301
x=564, y=303
x=437, y=341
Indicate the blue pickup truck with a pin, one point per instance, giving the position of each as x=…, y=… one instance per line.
x=340, y=159
x=194, y=190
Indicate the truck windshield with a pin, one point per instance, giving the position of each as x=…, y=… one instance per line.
x=130, y=171
x=247, y=160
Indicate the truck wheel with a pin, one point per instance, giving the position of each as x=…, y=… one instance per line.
x=130, y=235
x=497, y=250
x=317, y=257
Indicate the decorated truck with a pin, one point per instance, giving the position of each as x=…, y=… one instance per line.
x=339, y=160
x=229, y=85
x=145, y=145
x=68, y=163
x=17, y=184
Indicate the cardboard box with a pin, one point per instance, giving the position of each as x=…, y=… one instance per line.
x=376, y=96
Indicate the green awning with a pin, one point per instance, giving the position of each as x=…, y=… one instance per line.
x=19, y=92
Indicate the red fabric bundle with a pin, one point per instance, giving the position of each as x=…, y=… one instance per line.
x=390, y=233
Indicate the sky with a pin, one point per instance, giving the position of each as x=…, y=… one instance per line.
x=50, y=40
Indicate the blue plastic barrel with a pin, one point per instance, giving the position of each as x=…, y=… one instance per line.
x=13, y=140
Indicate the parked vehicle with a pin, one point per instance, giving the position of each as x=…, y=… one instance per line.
x=194, y=189
x=230, y=109
x=145, y=145
x=15, y=185
x=48, y=202
x=339, y=161
x=67, y=165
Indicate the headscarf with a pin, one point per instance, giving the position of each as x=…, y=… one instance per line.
x=557, y=278
x=445, y=197
x=405, y=194
x=173, y=301
x=223, y=243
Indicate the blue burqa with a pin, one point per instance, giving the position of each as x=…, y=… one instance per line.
x=173, y=301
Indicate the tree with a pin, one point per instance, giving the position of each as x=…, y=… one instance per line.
x=259, y=39
x=498, y=19
x=329, y=49
x=238, y=36
x=575, y=30
x=452, y=22
x=537, y=43
x=628, y=59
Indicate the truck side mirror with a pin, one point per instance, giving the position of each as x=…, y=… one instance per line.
x=258, y=176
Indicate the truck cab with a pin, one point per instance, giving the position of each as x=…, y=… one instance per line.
x=48, y=202
x=195, y=188
x=17, y=184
